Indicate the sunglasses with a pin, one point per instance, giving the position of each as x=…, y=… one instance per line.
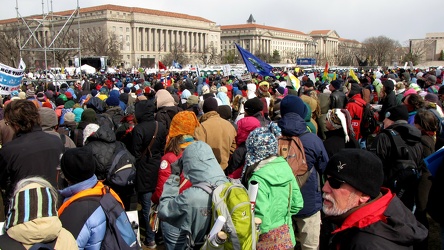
x=334, y=183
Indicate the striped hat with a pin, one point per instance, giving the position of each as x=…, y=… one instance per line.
x=30, y=204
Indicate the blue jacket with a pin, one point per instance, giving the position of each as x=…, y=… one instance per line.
x=292, y=124
x=84, y=218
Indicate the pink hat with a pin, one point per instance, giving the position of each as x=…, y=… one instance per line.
x=410, y=92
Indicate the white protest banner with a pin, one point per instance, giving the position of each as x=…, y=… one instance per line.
x=10, y=79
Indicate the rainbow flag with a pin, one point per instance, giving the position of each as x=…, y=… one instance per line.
x=325, y=76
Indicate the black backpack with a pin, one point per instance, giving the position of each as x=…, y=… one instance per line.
x=122, y=171
x=402, y=177
x=369, y=123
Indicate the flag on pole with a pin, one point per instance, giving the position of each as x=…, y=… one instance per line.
x=254, y=64
x=293, y=81
x=325, y=76
x=161, y=66
x=177, y=65
x=22, y=64
x=353, y=75
x=198, y=70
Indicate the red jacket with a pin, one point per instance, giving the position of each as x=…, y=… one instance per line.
x=355, y=107
x=164, y=174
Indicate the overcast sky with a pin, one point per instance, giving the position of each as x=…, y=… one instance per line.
x=351, y=19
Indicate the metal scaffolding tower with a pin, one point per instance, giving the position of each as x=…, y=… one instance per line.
x=39, y=33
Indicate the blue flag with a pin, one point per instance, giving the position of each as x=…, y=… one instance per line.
x=177, y=65
x=254, y=64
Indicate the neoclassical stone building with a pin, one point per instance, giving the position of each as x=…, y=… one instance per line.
x=147, y=36
x=291, y=44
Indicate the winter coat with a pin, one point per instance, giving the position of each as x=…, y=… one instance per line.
x=387, y=102
x=103, y=144
x=147, y=165
x=166, y=114
x=219, y=134
x=384, y=223
x=425, y=181
x=237, y=159
x=116, y=114
x=194, y=213
x=275, y=203
x=335, y=141
x=355, y=107
x=84, y=218
x=164, y=174
x=30, y=154
x=338, y=100
x=383, y=147
x=436, y=195
x=316, y=156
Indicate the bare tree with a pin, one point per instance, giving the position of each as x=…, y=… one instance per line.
x=177, y=54
x=231, y=57
x=66, y=39
x=9, y=47
x=209, y=55
x=381, y=49
x=101, y=43
x=416, y=52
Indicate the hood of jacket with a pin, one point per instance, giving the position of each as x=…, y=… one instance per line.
x=292, y=124
x=410, y=134
x=103, y=134
x=144, y=110
x=96, y=104
x=200, y=164
x=244, y=127
x=273, y=171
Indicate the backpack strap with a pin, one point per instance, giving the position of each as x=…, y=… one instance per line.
x=148, y=149
x=44, y=246
x=205, y=186
x=97, y=190
x=397, y=143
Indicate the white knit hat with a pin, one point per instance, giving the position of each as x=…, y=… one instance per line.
x=338, y=120
x=89, y=130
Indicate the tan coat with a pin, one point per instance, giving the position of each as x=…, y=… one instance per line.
x=220, y=134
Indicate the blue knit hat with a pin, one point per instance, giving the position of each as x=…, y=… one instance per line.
x=262, y=143
x=293, y=104
x=112, y=101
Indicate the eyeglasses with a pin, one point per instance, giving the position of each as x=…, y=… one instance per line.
x=334, y=183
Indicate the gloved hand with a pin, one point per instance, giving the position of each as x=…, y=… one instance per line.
x=176, y=167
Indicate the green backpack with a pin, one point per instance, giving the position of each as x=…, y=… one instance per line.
x=231, y=201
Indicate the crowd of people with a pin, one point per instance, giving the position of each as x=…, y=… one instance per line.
x=58, y=139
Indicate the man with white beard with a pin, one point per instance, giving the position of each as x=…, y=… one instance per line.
x=365, y=215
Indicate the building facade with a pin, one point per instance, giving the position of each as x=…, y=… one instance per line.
x=147, y=36
x=323, y=45
x=429, y=48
